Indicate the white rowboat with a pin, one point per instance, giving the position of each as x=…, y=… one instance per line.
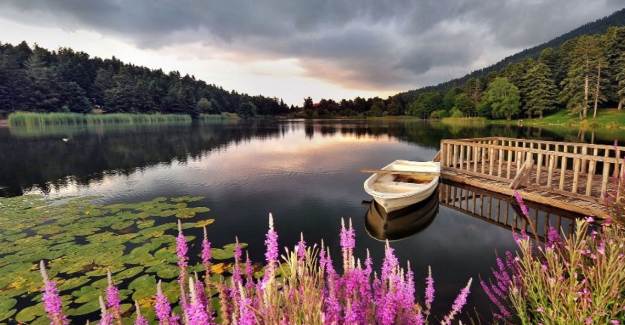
x=396, y=191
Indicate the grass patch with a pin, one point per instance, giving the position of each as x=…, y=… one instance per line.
x=465, y=121
x=27, y=119
x=606, y=119
x=219, y=117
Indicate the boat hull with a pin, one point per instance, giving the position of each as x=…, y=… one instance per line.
x=392, y=196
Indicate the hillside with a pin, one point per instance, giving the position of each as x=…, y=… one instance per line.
x=598, y=26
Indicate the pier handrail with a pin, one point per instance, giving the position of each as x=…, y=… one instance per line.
x=560, y=167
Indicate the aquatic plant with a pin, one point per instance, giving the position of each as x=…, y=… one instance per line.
x=26, y=119
x=302, y=288
x=575, y=279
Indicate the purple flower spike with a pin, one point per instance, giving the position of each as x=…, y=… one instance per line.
x=301, y=247
x=51, y=300
x=112, y=296
x=460, y=301
x=161, y=306
x=553, y=237
x=271, y=253
x=196, y=311
x=429, y=291
x=519, y=200
x=140, y=320
x=105, y=317
x=206, y=251
x=181, y=248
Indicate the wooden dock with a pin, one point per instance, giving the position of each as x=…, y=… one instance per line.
x=576, y=177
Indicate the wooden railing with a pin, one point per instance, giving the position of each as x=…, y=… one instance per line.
x=586, y=171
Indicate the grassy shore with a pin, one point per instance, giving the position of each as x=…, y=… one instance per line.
x=29, y=119
x=606, y=119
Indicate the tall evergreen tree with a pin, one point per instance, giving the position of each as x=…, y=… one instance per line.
x=541, y=91
x=576, y=89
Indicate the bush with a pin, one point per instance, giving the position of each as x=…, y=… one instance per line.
x=575, y=280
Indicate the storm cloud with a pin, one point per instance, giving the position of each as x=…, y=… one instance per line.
x=359, y=44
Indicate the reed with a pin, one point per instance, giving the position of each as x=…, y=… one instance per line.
x=27, y=119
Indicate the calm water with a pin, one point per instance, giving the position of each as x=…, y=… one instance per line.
x=305, y=173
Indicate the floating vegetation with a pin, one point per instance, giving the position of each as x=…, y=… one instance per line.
x=80, y=240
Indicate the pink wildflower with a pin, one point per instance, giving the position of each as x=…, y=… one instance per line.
x=105, y=317
x=140, y=320
x=51, y=300
x=271, y=254
x=301, y=247
x=112, y=296
x=196, y=313
x=460, y=301
x=429, y=291
x=519, y=200
x=206, y=251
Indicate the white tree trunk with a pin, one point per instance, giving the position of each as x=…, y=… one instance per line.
x=594, y=113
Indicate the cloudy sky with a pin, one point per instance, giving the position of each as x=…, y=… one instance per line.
x=296, y=48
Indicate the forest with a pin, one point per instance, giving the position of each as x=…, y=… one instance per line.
x=38, y=80
x=582, y=75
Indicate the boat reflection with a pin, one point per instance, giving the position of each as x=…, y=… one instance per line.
x=401, y=223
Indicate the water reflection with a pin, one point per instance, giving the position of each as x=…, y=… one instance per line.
x=38, y=159
x=503, y=211
x=401, y=223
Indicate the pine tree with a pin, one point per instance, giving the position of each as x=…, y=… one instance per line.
x=541, y=90
x=577, y=85
x=614, y=41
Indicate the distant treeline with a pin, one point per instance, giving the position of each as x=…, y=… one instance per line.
x=583, y=74
x=38, y=80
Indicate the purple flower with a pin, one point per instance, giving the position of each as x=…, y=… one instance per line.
x=553, y=237
x=271, y=253
x=112, y=296
x=51, y=300
x=390, y=262
x=105, y=317
x=140, y=320
x=206, y=251
x=181, y=249
x=429, y=291
x=460, y=301
x=519, y=200
x=161, y=306
x=196, y=310
x=245, y=310
x=301, y=247
x=347, y=236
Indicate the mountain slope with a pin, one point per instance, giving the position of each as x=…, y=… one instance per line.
x=598, y=26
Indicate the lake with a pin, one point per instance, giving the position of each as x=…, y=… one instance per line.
x=304, y=172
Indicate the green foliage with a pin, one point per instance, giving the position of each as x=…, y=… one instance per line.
x=425, y=104
x=541, y=90
x=578, y=281
x=503, y=98
x=463, y=104
x=67, y=81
